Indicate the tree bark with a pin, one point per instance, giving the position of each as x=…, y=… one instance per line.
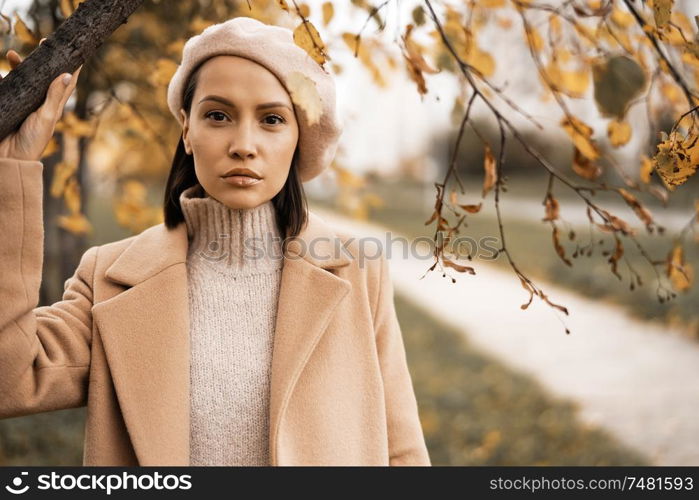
x=24, y=89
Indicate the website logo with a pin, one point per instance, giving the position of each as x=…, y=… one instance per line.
x=16, y=487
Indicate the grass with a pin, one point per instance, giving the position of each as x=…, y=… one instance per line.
x=477, y=411
x=408, y=206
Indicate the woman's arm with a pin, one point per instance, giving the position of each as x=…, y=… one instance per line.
x=44, y=351
x=406, y=442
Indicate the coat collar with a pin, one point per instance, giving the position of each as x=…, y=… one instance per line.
x=145, y=332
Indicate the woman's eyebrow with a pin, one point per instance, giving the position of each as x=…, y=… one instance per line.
x=225, y=101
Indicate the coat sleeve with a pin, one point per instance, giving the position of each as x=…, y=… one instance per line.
x=44, y=351
x=406, y=442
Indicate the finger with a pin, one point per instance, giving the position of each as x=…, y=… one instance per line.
x=13, y=58
x=50, y=109
x=69, y=90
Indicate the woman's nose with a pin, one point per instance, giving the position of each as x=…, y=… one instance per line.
x=243, y=141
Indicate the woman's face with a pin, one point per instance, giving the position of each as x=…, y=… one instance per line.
x=241, y=116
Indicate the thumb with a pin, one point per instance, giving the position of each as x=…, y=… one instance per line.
x=51, y=109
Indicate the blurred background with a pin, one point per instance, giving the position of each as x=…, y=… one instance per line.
x=496, y=384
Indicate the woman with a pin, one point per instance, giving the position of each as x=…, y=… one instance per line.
x=187, y=348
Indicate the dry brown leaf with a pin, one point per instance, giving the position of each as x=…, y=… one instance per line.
x=584, y=167
x=614, y=223
x=472, y=209
x=491, y=174
x=639, y=209
x=559, y=248
x=676, y=159
x=458, y=267
x=551, y=204
x=528, y=288
x=614, y=258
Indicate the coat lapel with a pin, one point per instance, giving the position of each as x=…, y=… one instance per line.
x=145, y=331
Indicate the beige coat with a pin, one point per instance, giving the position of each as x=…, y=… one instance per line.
x=118, y=342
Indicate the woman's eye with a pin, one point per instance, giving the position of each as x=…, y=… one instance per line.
x=211, y=113
x=281, y=120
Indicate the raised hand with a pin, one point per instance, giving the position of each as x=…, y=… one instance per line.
x=29, y=142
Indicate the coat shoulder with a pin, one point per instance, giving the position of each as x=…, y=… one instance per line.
x=367, y=257
x=109, y=252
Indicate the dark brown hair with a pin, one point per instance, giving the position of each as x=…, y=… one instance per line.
x=290, y=203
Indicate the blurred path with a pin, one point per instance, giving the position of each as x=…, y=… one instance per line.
x=574, y=212
x=634, y=379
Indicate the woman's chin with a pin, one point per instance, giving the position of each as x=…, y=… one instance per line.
x=239, y=198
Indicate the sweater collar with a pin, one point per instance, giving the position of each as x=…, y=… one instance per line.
x=145, y=255
x=239, y=240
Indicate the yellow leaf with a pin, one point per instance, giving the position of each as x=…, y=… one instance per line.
x=555, y=24
x=619, y=132
x=328, y=12
x=348, y=178
x=304, y=10
x=581, y=133
x=199, y=24
x=24, y=34
x=481, y=60
x=305, y=95
x=62, y=172
x=646, y=169
x=672, y=92
x=680, y=273
x=50, y=148
x=71, y=195
x=373, y=200
x=164, y=69
x=75, y=223
x=70, y=124
x=307, y=37
x=534, y=39
x=491, y=4
x=572, y=83
x=622, y=19
x=175, y=47
x=66, y=7
x=283, y=5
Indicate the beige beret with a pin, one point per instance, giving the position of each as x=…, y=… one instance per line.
x=273, y=47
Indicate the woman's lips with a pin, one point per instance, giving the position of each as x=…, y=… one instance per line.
x=241, y=180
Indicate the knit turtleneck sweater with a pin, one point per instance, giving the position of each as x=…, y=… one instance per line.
x=234, y=270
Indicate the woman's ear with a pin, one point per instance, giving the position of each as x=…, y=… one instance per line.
x=185, y=131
